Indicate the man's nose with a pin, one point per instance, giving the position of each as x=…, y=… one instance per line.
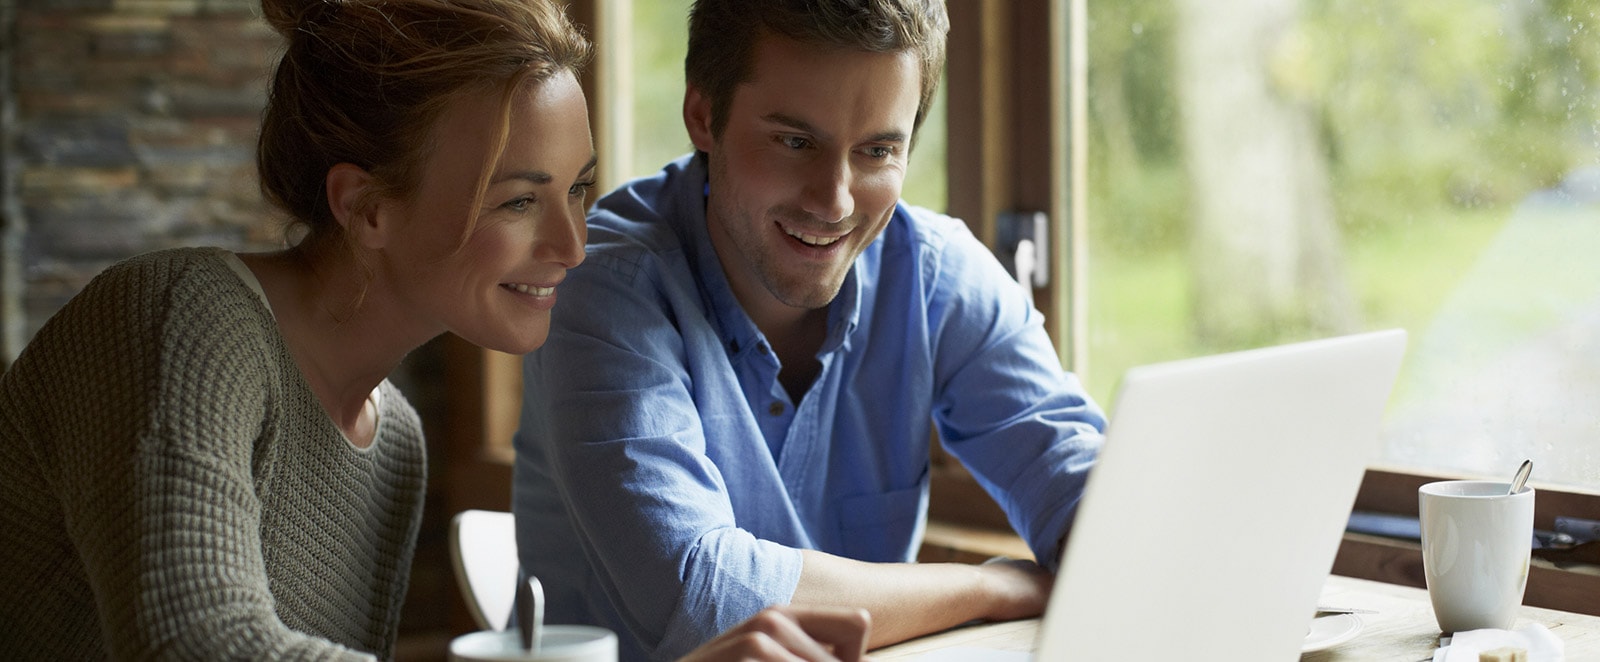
x=827, y=190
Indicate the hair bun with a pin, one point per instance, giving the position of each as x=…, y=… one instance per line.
x=290, y=16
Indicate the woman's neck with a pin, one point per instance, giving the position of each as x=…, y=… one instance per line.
x=340, y=329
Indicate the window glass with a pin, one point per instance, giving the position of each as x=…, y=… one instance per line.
x=925, y=174
x=1277, y=170
x=660, y=38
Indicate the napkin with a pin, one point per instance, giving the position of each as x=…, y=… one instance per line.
x=1541, y=644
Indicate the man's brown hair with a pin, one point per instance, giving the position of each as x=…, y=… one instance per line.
x=723, y=35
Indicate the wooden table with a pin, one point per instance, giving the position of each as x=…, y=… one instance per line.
x=1402, y=630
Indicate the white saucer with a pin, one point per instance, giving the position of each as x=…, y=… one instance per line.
x=1331, y=630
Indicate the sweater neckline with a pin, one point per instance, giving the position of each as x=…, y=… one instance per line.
x=375, y=398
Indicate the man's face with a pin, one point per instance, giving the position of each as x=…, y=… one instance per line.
x=808, y=167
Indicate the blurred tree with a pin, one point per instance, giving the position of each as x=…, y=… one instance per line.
x=1265, y=135
x=1265, y=256
x=660, y=39
x=1465, y=104
x=1137, y=196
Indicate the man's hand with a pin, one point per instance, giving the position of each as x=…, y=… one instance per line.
x=912, y=599
x=813, y=634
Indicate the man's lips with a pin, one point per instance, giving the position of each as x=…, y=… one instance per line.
x=811, y=239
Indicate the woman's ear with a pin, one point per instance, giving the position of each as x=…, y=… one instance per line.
x=352, y=198
x=697, y=118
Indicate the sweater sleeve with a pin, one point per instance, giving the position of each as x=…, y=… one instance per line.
x=160, y=393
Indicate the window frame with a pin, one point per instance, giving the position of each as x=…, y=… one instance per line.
x=1017, y=141
x=1002, y=54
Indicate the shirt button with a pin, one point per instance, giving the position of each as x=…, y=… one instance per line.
x=776, y=408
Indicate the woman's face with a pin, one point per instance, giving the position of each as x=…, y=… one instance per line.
x=496, y=289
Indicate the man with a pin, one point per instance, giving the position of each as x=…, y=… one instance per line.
x=734, y=408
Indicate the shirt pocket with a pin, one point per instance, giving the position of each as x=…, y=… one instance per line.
x=882, y=527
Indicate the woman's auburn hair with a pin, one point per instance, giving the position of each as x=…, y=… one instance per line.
x=364, y=81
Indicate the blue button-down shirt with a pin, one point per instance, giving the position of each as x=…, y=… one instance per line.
x=665, y=481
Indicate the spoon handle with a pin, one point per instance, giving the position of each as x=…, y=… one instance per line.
x=530, y=613
x=1521, y=477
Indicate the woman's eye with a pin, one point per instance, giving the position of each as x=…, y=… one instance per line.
x=519, y=204
x=581, y=190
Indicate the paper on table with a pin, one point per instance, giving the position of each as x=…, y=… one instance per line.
x=1541, y=644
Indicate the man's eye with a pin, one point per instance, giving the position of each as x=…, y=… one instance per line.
x=880, y=152
x=794, y=142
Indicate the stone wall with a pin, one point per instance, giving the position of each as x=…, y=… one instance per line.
x=133, y=128
x=128, y=126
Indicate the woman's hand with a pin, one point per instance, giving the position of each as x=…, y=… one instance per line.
x=787, y=633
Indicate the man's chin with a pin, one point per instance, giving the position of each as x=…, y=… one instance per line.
x=809, y=298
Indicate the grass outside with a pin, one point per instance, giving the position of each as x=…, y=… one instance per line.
x=1401, y=273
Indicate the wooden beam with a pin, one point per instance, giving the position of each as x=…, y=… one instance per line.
x=1394, y=491
x=608, y=84
x=978, y=121
x=1400, y=562
x=1011, y=146
x=484, y=391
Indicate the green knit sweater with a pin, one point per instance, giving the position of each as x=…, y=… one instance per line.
x=171, y=488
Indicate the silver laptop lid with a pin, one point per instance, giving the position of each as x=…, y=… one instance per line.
x=1213, y=516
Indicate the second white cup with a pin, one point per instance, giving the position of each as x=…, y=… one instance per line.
x=560, y=643
x=1476, y=543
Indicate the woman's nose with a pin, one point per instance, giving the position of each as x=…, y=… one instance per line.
x=561, y=237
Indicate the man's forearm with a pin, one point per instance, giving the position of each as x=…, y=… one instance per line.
x=912, y=599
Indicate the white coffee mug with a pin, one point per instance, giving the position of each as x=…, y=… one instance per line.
x=1476, y=543
x=558, y=643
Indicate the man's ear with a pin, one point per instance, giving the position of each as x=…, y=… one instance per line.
x=697, y=118
x=352, y=199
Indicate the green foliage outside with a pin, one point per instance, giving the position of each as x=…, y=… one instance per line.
x=660, y=36
x=1437, y=120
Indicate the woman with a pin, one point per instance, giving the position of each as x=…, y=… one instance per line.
x=200, y=455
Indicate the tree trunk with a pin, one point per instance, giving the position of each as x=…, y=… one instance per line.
x=1266, y=259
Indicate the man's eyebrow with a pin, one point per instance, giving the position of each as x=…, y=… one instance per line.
x=790, y=121
x=888, y=137
x=803, y=126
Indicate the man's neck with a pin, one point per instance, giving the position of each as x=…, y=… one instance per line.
x=796, y=345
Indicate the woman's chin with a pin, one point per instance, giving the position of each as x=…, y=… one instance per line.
x=527, y=340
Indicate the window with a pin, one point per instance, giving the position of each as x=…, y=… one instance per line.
x=1427, y=168
x=1267, y=174
x=660, y=30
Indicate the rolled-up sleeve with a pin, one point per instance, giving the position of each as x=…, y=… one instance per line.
x=1023, y=426
x=610, y=402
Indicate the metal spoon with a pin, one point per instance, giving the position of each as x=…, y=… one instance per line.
x=530, y=613
x=1521, y=477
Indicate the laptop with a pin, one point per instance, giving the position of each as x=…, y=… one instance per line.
x=1212, y=518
